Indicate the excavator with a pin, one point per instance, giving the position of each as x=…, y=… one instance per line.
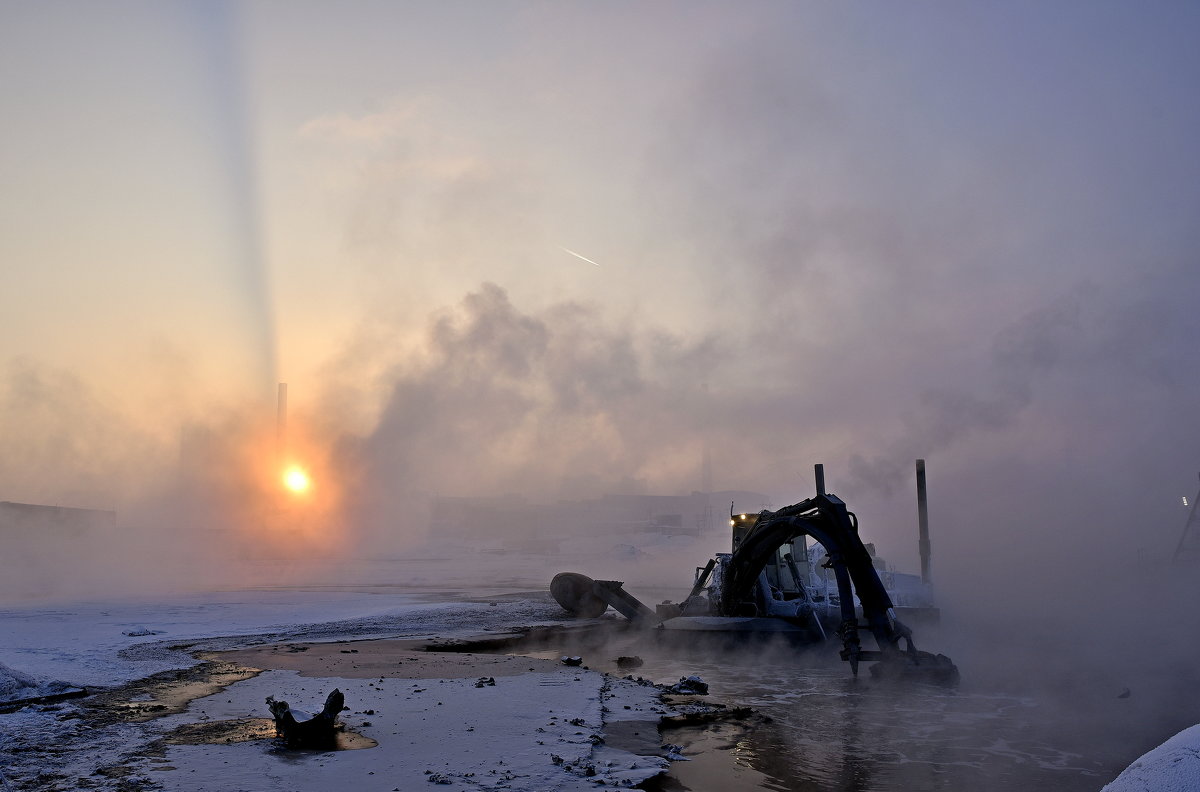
x=759, y=584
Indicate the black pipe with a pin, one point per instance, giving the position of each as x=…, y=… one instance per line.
x=923, y=521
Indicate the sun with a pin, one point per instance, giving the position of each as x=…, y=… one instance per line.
x=295, y=479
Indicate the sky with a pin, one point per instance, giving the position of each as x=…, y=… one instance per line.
x=562, y=249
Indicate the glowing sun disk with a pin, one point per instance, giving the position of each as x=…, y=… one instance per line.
x=296, y=479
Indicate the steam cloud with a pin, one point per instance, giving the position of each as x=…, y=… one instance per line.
x=823, y=241
x=556, y=404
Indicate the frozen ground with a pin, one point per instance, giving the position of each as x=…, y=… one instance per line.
x=534, y=731
x=539, y=729
x=107, y=643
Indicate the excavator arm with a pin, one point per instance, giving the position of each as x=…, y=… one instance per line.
x=826, y=519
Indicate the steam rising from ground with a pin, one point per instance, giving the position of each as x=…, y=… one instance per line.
x=566, y=403
x=558, y=404
x=827, y=235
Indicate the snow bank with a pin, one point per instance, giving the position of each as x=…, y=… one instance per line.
x=102, y=644
x=16, y=685
x=1173, y=766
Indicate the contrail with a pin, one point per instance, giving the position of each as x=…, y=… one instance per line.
x=576, y=255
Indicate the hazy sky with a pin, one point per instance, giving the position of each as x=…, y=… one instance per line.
x=851, y=233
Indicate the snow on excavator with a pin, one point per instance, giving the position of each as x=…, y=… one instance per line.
x=759, y=587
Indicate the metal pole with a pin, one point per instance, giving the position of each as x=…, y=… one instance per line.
x=923, y=520
x=819, y=470
x=1186, y=527
x=281, y=423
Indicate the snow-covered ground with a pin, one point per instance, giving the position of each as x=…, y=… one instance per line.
x=1173, y=766
x=534, y=731
x=540, y=729
x=107, y=643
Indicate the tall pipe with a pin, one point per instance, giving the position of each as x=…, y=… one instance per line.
x=923, y=520
x=281, y=424
x=1187, y=526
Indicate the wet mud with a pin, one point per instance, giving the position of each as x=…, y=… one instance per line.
x=225, y=732
x=162, y=694
x=170, y=693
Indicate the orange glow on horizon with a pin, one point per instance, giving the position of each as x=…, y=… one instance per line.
x=270, y=502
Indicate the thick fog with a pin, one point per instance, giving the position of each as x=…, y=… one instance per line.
x=559, y=252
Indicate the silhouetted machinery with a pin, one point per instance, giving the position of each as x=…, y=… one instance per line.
x=759, y=587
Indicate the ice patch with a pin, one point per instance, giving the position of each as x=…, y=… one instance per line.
x=135, y=632
x=692, y=685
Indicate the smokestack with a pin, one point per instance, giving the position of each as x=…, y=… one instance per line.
x=923, y=520
x=281, y=423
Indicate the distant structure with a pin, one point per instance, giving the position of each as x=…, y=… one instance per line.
x=51, y=523
x=706, y=518
x=514, y=523
x=1188, y=548
x=44, y=545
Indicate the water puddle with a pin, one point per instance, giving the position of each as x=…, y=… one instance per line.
x=822, y=729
